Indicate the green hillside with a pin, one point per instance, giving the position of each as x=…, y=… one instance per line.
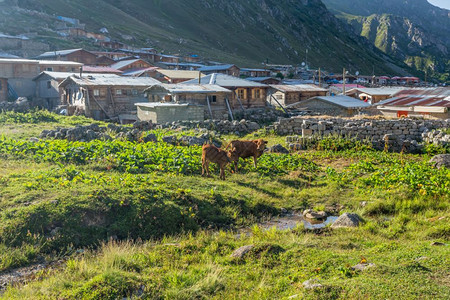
x=246, y=33
x=414, y=32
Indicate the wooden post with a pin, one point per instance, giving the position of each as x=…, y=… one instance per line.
x=229, y=109
x=285, y=111
x=239, y=100
x=209, y=108
x=343, y=81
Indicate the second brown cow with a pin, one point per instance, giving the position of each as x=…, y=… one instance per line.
x=211, y=153
x=245, y=149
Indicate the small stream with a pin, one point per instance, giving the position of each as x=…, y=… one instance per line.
x=291, y=221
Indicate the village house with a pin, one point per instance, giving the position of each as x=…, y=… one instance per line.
x=104, y=96
x=180, y=66
x=112, y=55
x=76, y=55
x=100, y=70
x=17, y=77
x=231, y=70
x=47, y=87
x=423, y=103
x=193, y=58
x=213, y=99
x=255, y=72
x=59, y=66
x=104, y=61
x=166, y=58
x=289, y=94
x=177, y=76
x=245, y=94
x=343, y=106
x=144, y=72
x=265, y=80
x=3, y=90
x=372, y=95
x=131, y=64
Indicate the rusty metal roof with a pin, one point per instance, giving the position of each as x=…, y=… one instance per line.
x=417, y=100
x=440, y=91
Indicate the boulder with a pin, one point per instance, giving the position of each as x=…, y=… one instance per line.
x=240, y=252
x=312, y=284
x=278, y=149
x=347, y=220
x=441, y=160
x=314, y=215
x=362, y=267
x=150, y=138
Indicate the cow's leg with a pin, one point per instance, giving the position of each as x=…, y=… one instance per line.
x=255, y=161
x=236, y=162
x=206, y=168
x=222, y=171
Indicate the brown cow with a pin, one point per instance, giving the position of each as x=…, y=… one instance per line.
x=211, y=153
x=246, y=149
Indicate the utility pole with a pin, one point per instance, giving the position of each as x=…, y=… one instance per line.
x=320, y=81
x=343, y=81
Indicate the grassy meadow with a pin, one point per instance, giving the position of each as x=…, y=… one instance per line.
x=136, y=220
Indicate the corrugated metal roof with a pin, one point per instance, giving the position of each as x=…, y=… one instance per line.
x=343, y=101
x=440, y=91
x=226, y=81
x=59, y=53
x=59, y=63
x=111, y=80
x=60, y=75
x=416, y=100
x=260, y=78
x=215, y=68
x=254, y=70
x=162, y=104
x=298, y=88
x=191, y=88
x=180, y=74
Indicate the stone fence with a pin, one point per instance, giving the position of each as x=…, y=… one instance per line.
x=370, y=129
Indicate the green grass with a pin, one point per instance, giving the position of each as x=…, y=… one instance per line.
x=175, y=230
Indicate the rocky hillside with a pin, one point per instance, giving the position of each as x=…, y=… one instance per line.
x=244, y=32
x=413, y=31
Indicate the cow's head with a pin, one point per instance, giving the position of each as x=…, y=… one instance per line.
x=233, y=154
x=261, y=146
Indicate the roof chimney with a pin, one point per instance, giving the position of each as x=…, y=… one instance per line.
x=81, y=72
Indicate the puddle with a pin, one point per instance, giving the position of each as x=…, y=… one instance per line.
x=291, y=221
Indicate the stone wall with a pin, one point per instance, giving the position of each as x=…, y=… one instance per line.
x=361, y=128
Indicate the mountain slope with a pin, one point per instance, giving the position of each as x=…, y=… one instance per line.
x=245, y=32
x=413, y=31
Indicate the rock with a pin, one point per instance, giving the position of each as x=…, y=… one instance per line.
x=240, y=252
x=312, y=284
x=34, y=140
x=442, y=160
x=363, y=203
x=278, y=149
x=347, y=220
x=419, y=259
x=283, y=211
x=438, y=244
x=362, y=267
x=314, y=215
x=170, y=140
x=55, y=231
x=150, y=138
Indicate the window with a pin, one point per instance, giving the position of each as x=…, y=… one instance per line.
x=96, y=93
x=118, y=92
x=134, y=92
x=49, y=84
x=50, y=69
x=241, y=94
x=257, y=93
x=214, y=98
x=0, y=85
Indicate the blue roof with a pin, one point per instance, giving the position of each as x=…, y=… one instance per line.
x=342, y=101
x=254, y=70
x=215, y=68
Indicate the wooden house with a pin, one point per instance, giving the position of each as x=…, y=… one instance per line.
x=104, y=96
x=289, y=94
x=47, y=87
x=231, y=70
x=59, y=66
x=166, y=58
x=76, y=55
x=265, y=80
x=255, y=72
x=372, y=95
x=214, y=99
x=104, y=61
x=131, y=64
x=245, y=94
